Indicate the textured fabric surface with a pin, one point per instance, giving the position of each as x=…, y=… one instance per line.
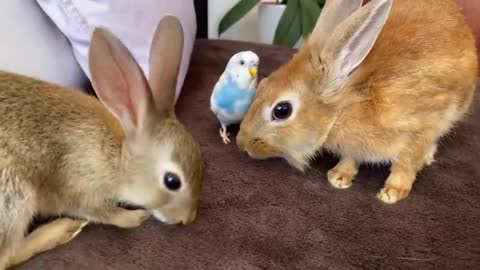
x=265, y=215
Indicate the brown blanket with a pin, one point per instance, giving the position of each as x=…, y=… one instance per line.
x=265, y=215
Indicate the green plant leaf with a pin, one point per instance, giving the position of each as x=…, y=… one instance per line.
x=289, y=29
x=310, y=13
x=235, y=14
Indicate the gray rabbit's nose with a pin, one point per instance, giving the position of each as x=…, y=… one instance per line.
x=189, y=217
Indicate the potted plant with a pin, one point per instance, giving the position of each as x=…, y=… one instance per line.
x=281, y=22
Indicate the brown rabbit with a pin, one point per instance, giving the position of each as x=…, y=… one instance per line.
x=64, y=153
x=378, y=83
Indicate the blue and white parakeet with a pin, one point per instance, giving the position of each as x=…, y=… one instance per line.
x=234, y=92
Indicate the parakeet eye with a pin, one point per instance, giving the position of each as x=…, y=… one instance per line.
x=242, y=62
x=172, y=181
x=282, y=110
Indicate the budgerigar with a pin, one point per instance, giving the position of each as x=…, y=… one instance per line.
x=233, y=93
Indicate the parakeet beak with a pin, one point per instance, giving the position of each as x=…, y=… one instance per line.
x=253, y=71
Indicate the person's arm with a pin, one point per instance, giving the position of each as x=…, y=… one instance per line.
x=134, y=23
x=471, y=9
x=33, y=46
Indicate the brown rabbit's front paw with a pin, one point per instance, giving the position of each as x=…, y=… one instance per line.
x=390, y=194
x=130, y=218
x=430, y=155
x=340, y=178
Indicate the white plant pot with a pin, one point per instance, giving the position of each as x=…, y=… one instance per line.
x=268, y=17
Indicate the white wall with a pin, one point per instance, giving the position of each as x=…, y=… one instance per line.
x=245, y=29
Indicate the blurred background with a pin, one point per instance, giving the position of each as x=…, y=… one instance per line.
x=258, y=20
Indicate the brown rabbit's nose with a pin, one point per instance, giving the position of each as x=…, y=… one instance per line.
x=241, y=140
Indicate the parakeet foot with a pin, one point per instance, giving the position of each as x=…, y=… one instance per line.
x=224, y=134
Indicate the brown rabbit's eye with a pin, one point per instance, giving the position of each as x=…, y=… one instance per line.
x=282, y=110
x=171, y=181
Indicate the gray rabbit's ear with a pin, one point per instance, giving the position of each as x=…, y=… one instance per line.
x=118, y=80
x=165, y=59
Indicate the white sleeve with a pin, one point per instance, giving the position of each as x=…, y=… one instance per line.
x=133, y=22
x=33, y=46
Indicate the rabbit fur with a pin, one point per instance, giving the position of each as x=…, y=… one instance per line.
x=378, y=83
x=64, y=153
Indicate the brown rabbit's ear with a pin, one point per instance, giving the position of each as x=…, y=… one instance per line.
x=165, y=59
x=333, y=13
x=118, y=80
x=353, y=39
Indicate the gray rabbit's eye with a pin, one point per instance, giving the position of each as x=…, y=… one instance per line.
x=172, y=181
x=282, y=110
